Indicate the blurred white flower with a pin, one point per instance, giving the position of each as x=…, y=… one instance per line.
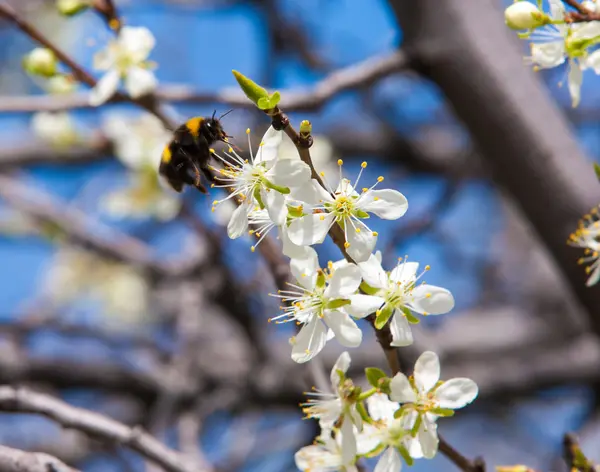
x=523, y=15
x=125, y=58
x=78, y=274
x=60, y=83
x=587, y=236
x=57, y=129
x=138, y=144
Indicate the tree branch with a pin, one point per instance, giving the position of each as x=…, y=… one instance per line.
x=355, y=76
x=15, y=460
x=96, y=425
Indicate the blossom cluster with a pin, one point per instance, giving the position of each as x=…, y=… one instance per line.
x=398, y=423
x=555, y=40
x=395, y=420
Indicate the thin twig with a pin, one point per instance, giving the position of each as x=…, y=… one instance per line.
x=94, y=424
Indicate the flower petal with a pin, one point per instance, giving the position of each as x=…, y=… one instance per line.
x=427, y=371
x=345, y=329
x=276, y=207
x=291, y=250
x=137, y=42
x=547, y=55
x=344, y=282
x=381, y=408
x=401, y=332
x=309, y=341
x=105, y=88
x=361, y=243
x=363, y=305
x=574, y=81
x=428, y=438
x=401, y=389
x=289, y=173
x=387, y=204
x=404, y=272
x=308, y=458
x=431, y=300
x=311, y=193
x=305, y=270
x=389, y=461
x=269, y=146
x=343, y=364
x=310, y=229
x=456, y=393
x=348, y=442
x=139, y=82
x=372, y=272
x=238, y=224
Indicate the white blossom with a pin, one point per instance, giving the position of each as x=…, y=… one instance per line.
x=348, y=209
x=125, y=58
x=138, y=143
x=396, y=294
x=587, y=236
x=428, y=397
x=58, y=128
x=316, y=304
x=339, y=406
x=554, y=44
x=259, y=183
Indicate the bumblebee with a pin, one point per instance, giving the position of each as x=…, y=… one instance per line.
x=188, y=154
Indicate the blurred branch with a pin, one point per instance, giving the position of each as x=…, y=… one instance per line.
x=15, y=460
x=355, y=76
x=83, y=230
x=26, y=401
x=464, y=47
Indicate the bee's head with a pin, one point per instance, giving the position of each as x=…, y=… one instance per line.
x=214, y=130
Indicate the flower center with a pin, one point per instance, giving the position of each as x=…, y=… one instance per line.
x=342, y=207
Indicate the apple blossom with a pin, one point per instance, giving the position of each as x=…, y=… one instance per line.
x=397, y=295
x=125, y=58
x=429, y=398
x=348, y=209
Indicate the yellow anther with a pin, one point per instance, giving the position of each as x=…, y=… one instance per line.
x=247, y=130
x=380, y=178
x=375, y=233
x=346, y=244
x=216, y=202
x=230, y=149
x=425, y=313
x=427, y=267
x=114, y=24
x=252, y=248
x=307, y=351
x=340, y=162
x=257, y=234
x=212, y=185
x=365, y=189
x=251, y=232
x=364, y=164
x=262, y=143
x=428, y=295
x=358, y=230
x=322, y=174
x=375, y=198
x=212, y=151
x=322, y=217
x=378, y=312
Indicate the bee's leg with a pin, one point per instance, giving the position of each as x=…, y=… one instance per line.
x=198, y=180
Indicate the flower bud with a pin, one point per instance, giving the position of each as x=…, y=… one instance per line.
x=61, y=84
x=71, y=7
x=523, y=15
x=41, y=61
x=56, y=129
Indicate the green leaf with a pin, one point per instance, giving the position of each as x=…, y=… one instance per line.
x=252, y=90
x=365, y=287
x=274, y=99
x=442, y=412
x=383, y=316
x=340, y=302
x=374, y=375
x=264, y=103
